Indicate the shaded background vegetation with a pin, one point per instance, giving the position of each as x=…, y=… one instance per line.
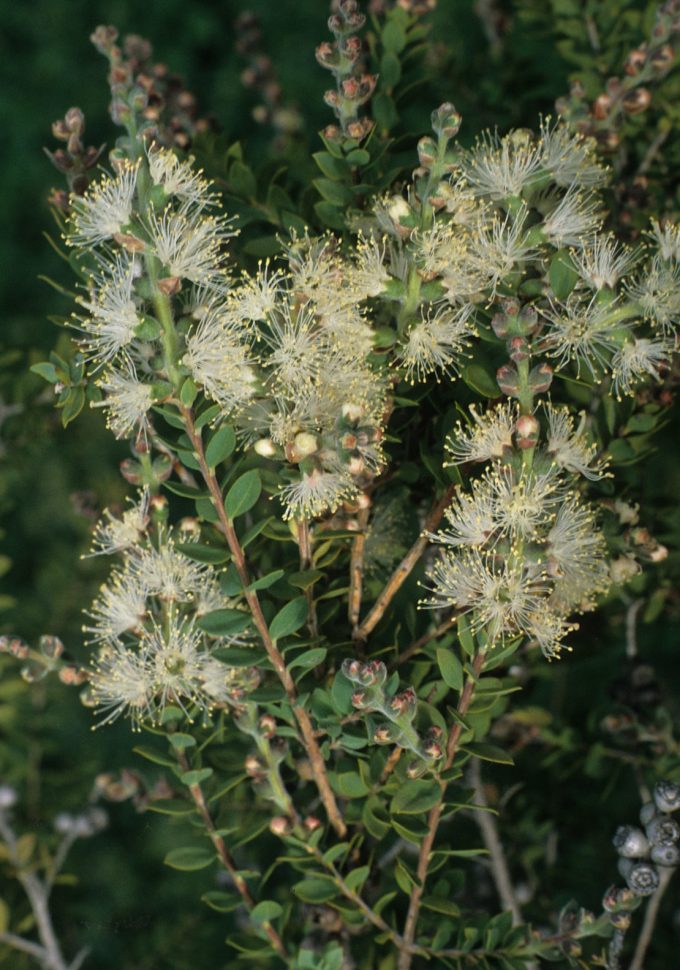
x=500, y=68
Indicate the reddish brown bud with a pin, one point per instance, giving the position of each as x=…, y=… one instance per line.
x=312, y=823
x=280, y=825
x=267, y=725
x=637, y=101
x=601, y=106
x=636, y=61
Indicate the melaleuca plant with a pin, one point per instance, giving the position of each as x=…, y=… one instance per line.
x=417, y=409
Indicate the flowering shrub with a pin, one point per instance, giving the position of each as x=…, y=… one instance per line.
x=375, y=456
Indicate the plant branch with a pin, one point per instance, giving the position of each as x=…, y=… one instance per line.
x=404, y=568
x=499, y=865
x=225, y=856
x=274, y=654
x=651, y=913
x=418, y=644
x=19, y=943
x=356, y=571
x=305, y=546
x=434, y=816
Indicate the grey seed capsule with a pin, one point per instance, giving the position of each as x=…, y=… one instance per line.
x=667, y=796
x=665, y=855
x=630, y=842
x=663, y=830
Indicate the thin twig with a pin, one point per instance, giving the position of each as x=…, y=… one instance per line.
x=227, y=528
x=647, y=931
x=653, y=151
x=356, y=570
x=225, y=856
x=631, y=627
x=19, y=943
x=499, y=864
x=404, y=568
x=434, y=816
x=305, y=547
x=418, y=644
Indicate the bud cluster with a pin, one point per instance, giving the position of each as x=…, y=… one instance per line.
x=74, y=161
x=373, y=695
x=343, y=58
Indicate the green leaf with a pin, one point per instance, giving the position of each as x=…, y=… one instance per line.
x=75, y=401
x=480, y=380
x=358, y=157
x=202, y=553
x=438, y=905
x=266, y=911
x=189, y=858
x=304, y=579
x=188, y=392
x=309, y=659
x=334, y=192
x=488, y=752
x=241, y=180
x=330, y=215
x=45, y=370
x=156, y=757
x=224, y=623
x=243, y=494
x=465, y=637
x=315, y=890
x=341, y=694
x=195, y=777
x=181, y=742
x=416, y=796
x=562, y=275
x=222, y=902
x=332, y=167
x=289, y=619
x=264, y=582
x=357, y=877
x=351, y=785
x=451, y=668
x=394, y=33
x=384, y=111
x=170, y=806
x=220, y=446
x=390, y=69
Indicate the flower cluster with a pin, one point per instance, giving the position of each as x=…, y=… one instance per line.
x=522, y=551
x=150, y=649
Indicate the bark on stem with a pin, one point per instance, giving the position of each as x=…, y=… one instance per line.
x=225, y=856
x=274, y=654
x=403, y=570
x=434, y=817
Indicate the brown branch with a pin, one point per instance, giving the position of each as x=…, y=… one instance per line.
x=434, y=817
x=403, y=570
x=489, y=829
x=305, y=547
x=225, y=856
x=226, y=526
x=356, y=571
x=418, y=644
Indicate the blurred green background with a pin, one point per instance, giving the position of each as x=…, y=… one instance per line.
x=499, y=70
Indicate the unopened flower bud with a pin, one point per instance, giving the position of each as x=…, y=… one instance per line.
x=427, y=151
x=518, y=349
x=540, y=378
x=253, y=766
x=359, y=699
x=404, y=704
x=630, y=842
x=51, y=647
x=602, y=106
x=647, y=813
x=500, y=324
x=508, y=380
x=667, y=796
x=72, y=676
x=386, y=734
x=621, y=921
x=433, y=750
x=527, y=430
x=622, y=569
x=170, y=285
x=637, y=101
x=267, y=725
x=446, y=121
x=635, y=61
x=665, y=855
x=417, y=769
x=312, y=823
x=190, y=525
x=265, y=447
x=661, y=59
x=280, y=825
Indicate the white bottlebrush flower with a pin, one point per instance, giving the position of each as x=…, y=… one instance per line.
x=316, y=493
x=570, y=158
x=119, y=608
x=523, y=506
x=104, y=210
x=170, y=575
x=502, y=245
x=175, y=655
x=568, y=445
x=114, y=312
x=587, y=333
x=189, y=244
x=602, y=261
x=502, y=167
x=220, y=363
x=258, y=296
x=576, y=554
x=667, y=239
x=114, y=534
x=179, y=178
x=367, y=275
x=488, y=437
x=638, y=359
x=122, y=683
x=657, y=293
x=127, y=400
x=470, y=518
x=548, y=630
x=501, y=596
x=296, y=347
x=437, y=343
x=574, y=220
